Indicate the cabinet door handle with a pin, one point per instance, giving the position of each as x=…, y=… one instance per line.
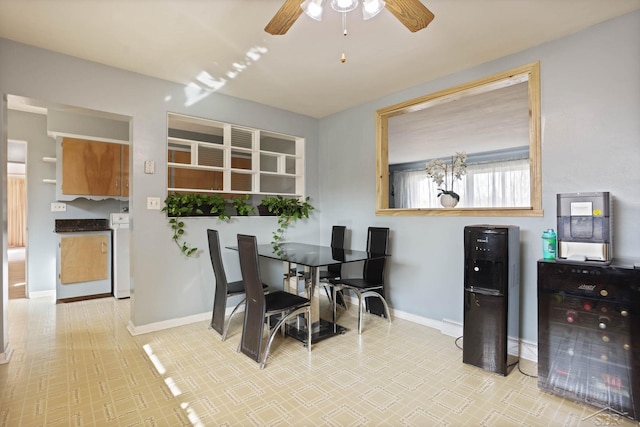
x=103, y=247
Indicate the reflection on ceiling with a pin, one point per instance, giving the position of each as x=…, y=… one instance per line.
x=488, y=121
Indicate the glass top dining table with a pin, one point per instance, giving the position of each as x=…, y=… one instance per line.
x=313, y=255
x=312, y=258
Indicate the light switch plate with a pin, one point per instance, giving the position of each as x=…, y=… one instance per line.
x=149, y=166
x=153, y=203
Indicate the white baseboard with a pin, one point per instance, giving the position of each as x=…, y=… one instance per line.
x=451, y=328
x=528, y=349
x=166, y=324
x=41, y=294
x=5, y=356
x=435, y=324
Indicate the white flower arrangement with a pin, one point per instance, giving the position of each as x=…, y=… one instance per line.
x=447, y=173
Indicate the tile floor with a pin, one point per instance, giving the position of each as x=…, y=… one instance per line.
x=76, y=365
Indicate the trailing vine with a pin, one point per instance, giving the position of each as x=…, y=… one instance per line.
x=288, y=210
x=182, y=205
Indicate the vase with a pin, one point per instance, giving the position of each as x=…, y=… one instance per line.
x=448, y=201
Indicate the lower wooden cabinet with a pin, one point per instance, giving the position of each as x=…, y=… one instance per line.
x=84, y=258
x=84, y=265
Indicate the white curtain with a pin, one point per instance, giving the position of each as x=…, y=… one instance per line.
x=413, y=189
x=495, y=184
x=16, y=212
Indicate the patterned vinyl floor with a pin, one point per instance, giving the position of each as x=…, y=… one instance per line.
x=77, y=365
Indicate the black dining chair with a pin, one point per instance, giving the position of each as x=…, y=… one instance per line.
x=370, y=287
x=260, y=306
x=224, y=289
x=334, y=271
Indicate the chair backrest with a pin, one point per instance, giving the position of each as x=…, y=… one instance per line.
x=337, y=236
x=337, y=242
x=253, y=328
x=377, y=242
x=220, y=297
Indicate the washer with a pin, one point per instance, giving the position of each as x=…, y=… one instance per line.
x=119, y=223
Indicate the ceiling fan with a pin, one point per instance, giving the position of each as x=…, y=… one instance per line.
x=411, y=13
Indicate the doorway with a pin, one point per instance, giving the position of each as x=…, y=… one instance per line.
x=17, y=218
x=44, y=124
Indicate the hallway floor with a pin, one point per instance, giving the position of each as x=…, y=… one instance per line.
x=77, y=365
x=17, y=272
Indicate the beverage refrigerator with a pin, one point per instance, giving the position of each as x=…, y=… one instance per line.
x=587, y=317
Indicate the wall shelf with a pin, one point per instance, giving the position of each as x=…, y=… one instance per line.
x=206, y=156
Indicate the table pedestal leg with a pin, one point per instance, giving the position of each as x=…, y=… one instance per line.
x=311, y=278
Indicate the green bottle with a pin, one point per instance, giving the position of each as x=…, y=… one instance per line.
x=549, y=244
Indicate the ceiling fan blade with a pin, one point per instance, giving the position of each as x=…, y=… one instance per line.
x=284, y=18
x=412, y=13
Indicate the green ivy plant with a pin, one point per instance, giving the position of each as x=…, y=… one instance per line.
x=288, y=210
x=180, y=205
x=242, y=206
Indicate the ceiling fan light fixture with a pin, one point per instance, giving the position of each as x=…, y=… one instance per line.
x=313, y=9
x=371, y=8
x=344, y=5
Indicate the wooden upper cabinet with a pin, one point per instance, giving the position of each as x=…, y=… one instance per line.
x=94, y=168
x=125, y=170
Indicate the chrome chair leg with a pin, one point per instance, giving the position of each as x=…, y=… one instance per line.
x=381, y=298
x=228, y=322
x=361, y=306
x=274, y=331
x=360, y=312
x=309, y=329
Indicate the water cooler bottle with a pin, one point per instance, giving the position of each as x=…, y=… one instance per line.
x=491, y=297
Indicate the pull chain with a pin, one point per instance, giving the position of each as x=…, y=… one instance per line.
x=343, y=58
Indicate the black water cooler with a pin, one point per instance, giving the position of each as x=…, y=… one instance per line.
x=491, y=297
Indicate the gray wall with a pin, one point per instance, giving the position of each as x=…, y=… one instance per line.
x=166, y=285
x=590, y=142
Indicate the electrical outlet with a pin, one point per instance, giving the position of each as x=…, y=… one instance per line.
x=58, y=207
x=153, y=203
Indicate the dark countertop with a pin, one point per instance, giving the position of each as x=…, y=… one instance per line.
x=79, y=225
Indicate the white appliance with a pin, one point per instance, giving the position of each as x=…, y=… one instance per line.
x=119, y=223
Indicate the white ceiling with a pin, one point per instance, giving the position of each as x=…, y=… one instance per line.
x=179, y=40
